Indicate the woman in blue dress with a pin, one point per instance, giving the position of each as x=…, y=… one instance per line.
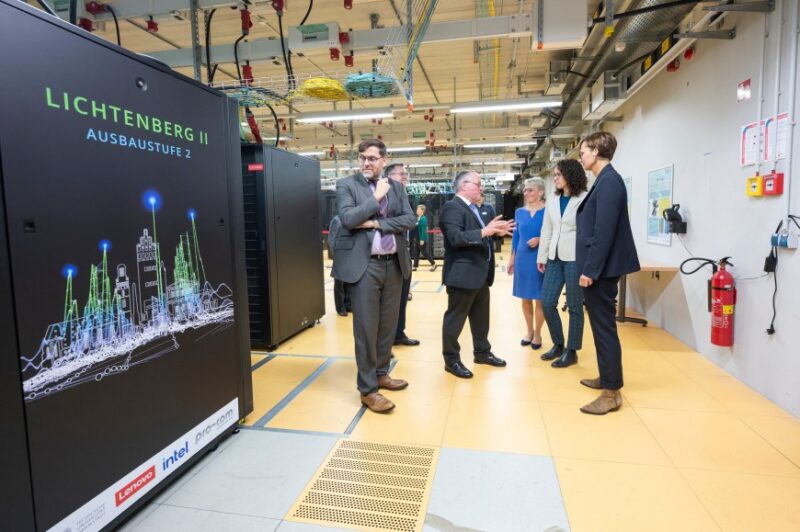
x=522, y=264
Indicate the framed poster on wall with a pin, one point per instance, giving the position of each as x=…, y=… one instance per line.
x=629, y=191
x=659, y=197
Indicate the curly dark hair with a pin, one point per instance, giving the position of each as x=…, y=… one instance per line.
x=574, y=175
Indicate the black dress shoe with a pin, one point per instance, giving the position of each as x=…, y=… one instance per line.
x=568, y=358
x=341, y=312
x=524, y=342
x=405, y=341
x=491, y=360
x=458, y=369
x=555, y=352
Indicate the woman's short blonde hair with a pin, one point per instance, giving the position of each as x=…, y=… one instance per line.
x=535, y=182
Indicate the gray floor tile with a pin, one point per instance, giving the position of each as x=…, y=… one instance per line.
x=289, y=526
x=135, y=520
x=260, y=474
x=477, y=490
x=178, y=483
x=168, y=518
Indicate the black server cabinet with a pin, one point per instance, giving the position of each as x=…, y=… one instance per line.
x=283, y=244
x=122, y=299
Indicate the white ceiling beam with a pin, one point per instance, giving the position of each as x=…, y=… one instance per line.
x=126, y=9
x=364, y=40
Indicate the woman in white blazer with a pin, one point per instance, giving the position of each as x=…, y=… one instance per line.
x=556, y=259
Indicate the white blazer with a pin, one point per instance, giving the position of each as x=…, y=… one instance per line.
x=559, y=232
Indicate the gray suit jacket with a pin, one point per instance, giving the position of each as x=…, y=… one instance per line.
x=356, y=205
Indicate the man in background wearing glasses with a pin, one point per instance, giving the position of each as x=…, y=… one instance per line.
x=371, y=253
x=398, y=172
x=468, y=273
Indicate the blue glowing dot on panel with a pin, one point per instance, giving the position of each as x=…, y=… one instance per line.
x=192, y=214
x=151, y=200
x=69, y=271
x=104, y=245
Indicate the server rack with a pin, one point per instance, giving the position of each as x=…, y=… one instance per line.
x=124, y=349
x=283, y=245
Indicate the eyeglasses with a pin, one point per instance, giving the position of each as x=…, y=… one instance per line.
x=372, y=160
x=528, y=189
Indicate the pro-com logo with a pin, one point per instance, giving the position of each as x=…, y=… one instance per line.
x=177, y=456
x=130, y=489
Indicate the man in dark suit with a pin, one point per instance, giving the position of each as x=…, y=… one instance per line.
x=341, y=292
x=487, y=215
x=372, y=255
x=398, y=172
x=468, y=273
x=604, y=251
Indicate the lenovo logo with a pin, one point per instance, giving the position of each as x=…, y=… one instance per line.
x=135, y=485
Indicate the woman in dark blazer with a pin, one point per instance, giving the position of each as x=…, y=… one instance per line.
x=605, y=251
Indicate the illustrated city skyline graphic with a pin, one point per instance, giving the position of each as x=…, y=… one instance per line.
x=131, y=322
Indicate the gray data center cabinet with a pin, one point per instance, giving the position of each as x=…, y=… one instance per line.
x=283, y=243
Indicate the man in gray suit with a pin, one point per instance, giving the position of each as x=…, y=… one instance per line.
x=372, y=255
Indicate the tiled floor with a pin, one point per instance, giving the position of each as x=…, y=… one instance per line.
x=691, y=449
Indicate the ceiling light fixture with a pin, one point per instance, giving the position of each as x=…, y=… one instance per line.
x=428, y=165
x=499, y=163
x=343, y=116
x=310, y=153
x=406, y=148
x=487, y=106
x=504, y=144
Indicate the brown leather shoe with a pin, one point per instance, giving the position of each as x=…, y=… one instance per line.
x=388, y=383
x=592, y=383
x=377, y=403
x=609, y=401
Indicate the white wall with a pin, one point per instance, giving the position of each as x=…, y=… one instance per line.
x=690, y=119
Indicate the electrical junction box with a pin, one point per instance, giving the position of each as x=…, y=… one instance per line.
x=755, y=186
x=773, y=184
x=556, y=153
x=558, y=24
x=555, y=77
x=606, y=95
x=314, y=36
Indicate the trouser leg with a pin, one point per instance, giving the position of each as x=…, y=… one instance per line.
x=600, y=298
x=459, y=301
x=552, y=285
x=479, y=322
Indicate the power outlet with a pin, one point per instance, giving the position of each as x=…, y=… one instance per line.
x=787, y=239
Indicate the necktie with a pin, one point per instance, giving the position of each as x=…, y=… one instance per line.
x=387, y=241
x=477, y=214
x=474, y=209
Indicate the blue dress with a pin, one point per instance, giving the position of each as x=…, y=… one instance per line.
x=527, y=278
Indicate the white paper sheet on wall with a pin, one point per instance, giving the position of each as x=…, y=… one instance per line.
x=767, y=141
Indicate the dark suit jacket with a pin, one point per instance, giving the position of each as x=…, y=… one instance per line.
x=604, y=242
x=487, y=213
x=356, y=205
x=466, y=254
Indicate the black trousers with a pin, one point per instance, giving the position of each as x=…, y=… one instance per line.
x=463, y=304
x=417, y=250
x=600, y=300
x=401, y=320
x=341, y=296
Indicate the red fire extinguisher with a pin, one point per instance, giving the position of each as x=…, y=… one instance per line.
x=723, y=303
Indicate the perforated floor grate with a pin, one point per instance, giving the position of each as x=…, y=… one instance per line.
x=369, y=486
